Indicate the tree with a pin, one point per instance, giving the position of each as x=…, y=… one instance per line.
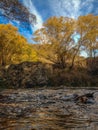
x=29, y=53
x=14, y=10
x=13, y=47
x=56, y=40
x=87, y=27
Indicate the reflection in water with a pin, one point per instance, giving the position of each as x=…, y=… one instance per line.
x=37, y=112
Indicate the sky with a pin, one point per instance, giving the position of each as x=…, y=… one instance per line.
x=71, y=8
x=43, y=9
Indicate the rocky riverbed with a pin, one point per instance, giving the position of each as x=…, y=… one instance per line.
x=47, y=109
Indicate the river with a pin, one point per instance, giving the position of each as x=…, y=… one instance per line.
x=47, y=109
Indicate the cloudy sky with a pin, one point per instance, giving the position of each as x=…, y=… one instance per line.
x=43, y=9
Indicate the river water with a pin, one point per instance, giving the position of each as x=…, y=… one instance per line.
x=47, y=109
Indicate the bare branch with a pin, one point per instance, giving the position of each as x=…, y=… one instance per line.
x=14, y=10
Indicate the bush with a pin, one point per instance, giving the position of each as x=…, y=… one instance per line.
x=74, y=78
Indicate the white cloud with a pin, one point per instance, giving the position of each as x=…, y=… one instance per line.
x=29, y=4
x=70, y=8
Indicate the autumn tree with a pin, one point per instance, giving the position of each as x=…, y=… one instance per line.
x=14, y=48
x=15, y=10
x=29, y=53
x=56, y=40
x=87, y=27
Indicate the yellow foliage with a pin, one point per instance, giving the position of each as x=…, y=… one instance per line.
x=87, y=27
x=13, y=47
x=57, y=34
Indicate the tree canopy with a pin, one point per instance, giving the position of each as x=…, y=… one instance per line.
x=58, y=37
x=14, y=48
x=87, y=27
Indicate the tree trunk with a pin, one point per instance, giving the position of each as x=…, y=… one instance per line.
x=2, y=59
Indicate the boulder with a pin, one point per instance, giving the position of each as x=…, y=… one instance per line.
x=26, y=75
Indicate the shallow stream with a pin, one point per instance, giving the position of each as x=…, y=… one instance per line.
x=47, y=109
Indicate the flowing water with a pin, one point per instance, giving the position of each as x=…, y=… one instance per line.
x=47, y=109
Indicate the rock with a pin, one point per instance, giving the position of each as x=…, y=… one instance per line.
x=3, y=98
x=86, y=98
x=26, y=75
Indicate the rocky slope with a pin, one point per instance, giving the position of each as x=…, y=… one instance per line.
x=25, y=75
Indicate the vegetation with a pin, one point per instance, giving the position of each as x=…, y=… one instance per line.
x=58, y=46
x=14, y=47
x=58, y=36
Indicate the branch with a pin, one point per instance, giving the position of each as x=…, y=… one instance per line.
x=14, y=10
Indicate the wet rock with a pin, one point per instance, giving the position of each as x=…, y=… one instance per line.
x=86, y=98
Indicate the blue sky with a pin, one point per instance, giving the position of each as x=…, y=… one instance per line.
x=43, y=9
